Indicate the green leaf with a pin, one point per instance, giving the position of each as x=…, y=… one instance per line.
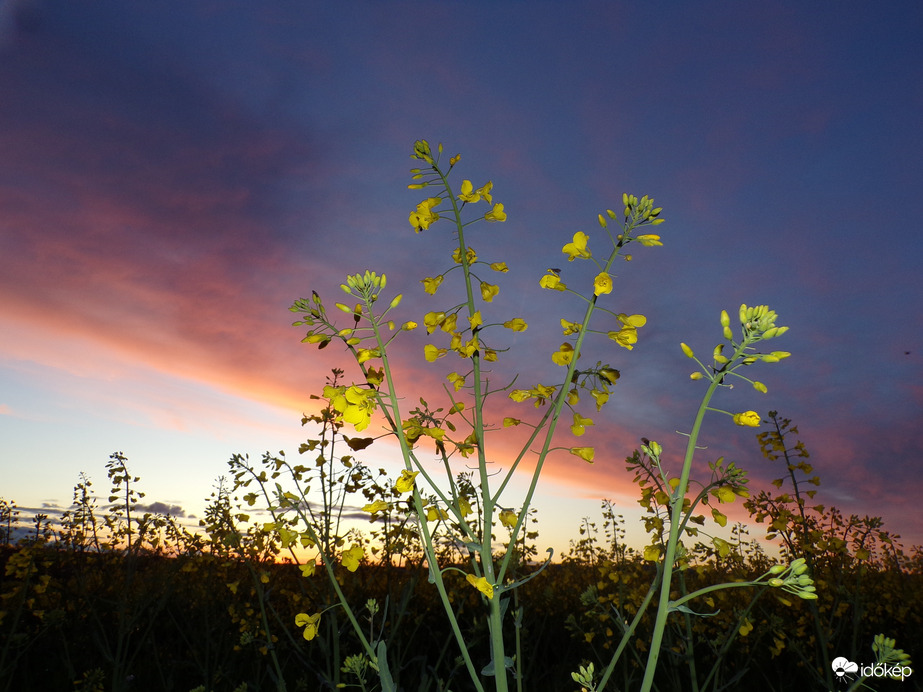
x=686, y=609
x=384, y=673
x=489, y=668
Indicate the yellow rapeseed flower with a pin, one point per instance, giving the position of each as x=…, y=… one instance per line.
x=310, y=624
x=354, y=404
x=747, y=418
x=469, y=194
x=450, y=323
x=351, y=557
x=377, y=506
x=457, y=380
x=552, y=282
x=585, y=453
x=431, y=285
x=496, y=214
x=508, y=518
x=424, y=216
x=406, y=482
x=580, y=423
x=466, y=194
x=434, y=513
x=626, y=337
x=570, y=327
x=602, y=284
x=577, y=247
x=520, y=395
x=481, y=584
x=432, y=320
x=488, y=291
x=431, y=353
x=564, y=355
x=601, y=397
x=470, y=254
x=610, y=375
x=469, y=349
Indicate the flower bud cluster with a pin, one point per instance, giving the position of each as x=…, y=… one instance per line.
x=366, y=286
x=886, y=652
x=757, y=323
x=793, y=579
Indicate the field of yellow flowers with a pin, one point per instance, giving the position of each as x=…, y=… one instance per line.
x=114, y=601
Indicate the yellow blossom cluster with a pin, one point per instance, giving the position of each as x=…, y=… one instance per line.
x=355, y=405
x=466, y=348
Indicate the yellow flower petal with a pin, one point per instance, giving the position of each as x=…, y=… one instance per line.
x=585, y=453
x=577, y=247
x=517, y=324
x=481, y=584
x=508, y=518
x=406, y=482
x=496, y=214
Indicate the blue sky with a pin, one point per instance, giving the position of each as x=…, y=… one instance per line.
x=174, y=174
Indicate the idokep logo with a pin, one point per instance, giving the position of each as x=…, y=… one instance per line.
x=847, y=671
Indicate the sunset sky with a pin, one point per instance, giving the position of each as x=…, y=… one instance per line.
x=174, y=174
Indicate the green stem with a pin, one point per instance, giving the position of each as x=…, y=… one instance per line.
x=626, y=636
x=663, y=607
x=409, y=459
x=556, y=412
